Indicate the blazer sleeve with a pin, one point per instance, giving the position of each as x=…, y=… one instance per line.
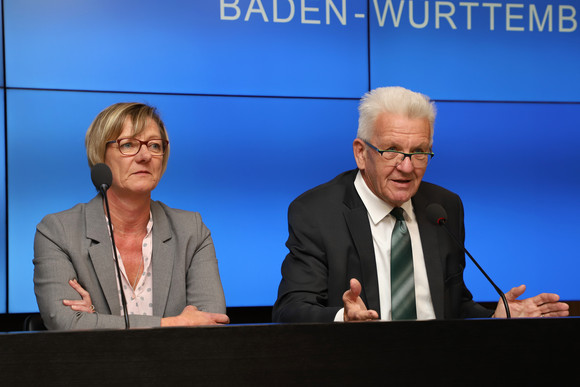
x=303, y=294
x=60, y=254
x=203, y=283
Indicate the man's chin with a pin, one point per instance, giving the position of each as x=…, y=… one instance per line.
x=398, y=197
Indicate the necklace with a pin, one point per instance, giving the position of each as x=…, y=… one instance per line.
x=139, y=274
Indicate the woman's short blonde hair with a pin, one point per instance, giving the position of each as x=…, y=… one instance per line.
x=109, y=123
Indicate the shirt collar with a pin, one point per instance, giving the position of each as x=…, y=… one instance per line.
x=376, y=207
x=150, y=223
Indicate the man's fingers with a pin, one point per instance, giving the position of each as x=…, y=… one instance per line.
x=554, y=309
x=364, y=315
x=353, y=293
x=546, y=298
x=514, y=293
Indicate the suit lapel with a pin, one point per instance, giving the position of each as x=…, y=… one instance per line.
x=431, y=253
x=357, y=222
x=101, y=253
x=162, y=259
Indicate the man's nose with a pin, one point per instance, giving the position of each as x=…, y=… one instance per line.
x=406, y=164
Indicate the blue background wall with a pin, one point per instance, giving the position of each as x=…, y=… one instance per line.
x=260, y=99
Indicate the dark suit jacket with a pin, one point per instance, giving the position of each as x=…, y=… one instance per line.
x=330, y=242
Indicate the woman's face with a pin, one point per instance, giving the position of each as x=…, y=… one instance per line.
x=138, y=174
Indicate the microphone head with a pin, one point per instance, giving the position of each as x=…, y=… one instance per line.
x=101, y=175
x=436, y=213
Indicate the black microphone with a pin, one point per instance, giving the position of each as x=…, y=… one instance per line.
x=102, y=178
x=437, y=214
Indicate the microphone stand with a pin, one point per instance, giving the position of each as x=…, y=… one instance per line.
x=103, y=188
x=498, y=290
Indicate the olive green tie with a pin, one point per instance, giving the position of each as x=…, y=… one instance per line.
x=402, y=281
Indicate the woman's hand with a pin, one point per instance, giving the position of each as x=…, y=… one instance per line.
x=83, y=305
x=191, y=316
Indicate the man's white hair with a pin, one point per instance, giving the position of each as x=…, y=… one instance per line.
x=394, y=100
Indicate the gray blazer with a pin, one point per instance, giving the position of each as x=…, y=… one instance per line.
x=75, y=244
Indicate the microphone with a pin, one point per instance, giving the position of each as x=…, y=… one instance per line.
x=102, y=178
x=437, y=214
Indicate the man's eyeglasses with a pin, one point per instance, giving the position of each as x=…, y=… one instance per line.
x=132, y=146
x=394, y=158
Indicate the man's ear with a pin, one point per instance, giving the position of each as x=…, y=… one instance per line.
x=359, y=150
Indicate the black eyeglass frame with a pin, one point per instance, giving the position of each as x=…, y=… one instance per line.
x=405, y=155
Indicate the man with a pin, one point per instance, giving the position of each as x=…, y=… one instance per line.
x=346, y=245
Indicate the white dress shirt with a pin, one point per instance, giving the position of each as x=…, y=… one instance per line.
x=382, y=224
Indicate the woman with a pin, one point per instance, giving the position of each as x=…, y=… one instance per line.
x=168, y=266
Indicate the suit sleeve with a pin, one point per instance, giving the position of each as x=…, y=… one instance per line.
x=468, y=308
x=303, y=291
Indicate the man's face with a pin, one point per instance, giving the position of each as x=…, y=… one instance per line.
x=394, y=184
